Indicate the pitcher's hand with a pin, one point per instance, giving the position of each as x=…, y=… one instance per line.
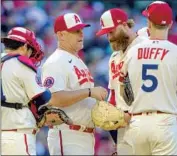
x=99, y=93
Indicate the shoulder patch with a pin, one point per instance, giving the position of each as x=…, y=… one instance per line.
x=49, y=81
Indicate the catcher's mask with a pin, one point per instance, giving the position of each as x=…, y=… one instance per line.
x=28, y=37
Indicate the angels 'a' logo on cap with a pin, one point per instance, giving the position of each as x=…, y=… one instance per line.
x=77, y=20
x=101, y=23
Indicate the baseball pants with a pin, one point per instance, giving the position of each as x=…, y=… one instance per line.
x=122, y=148
x=70, y=142
x=18, y=143
x=152, y=134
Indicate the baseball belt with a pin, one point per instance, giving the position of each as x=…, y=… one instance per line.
x=12, y=105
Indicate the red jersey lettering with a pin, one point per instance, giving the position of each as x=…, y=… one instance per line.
x=152, y=53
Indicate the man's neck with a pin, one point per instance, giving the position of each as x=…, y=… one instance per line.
x=159, y=34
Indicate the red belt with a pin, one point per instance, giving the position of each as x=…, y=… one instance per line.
x=146, y=113
x=80, y=128
x=34, y=131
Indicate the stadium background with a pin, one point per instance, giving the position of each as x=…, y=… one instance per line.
x=39, y=17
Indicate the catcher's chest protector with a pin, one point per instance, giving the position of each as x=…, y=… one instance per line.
x=23, y=59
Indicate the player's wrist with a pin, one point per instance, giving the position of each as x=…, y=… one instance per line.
x=127, y=118
x=90, y=93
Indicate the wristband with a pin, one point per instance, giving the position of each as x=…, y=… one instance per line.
x=89, y=92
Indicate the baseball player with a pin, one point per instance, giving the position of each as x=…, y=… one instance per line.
x=117, y=26
x=18, y=87
x=72, y=87
x=152, y=67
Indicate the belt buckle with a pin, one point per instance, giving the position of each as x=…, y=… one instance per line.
x=82, y=128
x=34, y=131
x=18, y=106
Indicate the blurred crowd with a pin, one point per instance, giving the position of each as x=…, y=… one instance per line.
x=39, y=17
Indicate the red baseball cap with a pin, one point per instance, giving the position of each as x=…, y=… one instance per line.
x=20, y=34
x=159, y=13
x=69, y=22
x=111, y=19
x=28, y=37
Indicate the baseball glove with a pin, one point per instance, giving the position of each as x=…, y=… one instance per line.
x=126, y=91
x=107, y=117
x=50, y=116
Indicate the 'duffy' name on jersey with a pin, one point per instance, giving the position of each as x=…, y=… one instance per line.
x=152, y=53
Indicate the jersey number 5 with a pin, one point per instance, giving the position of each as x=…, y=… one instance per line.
x=152, y=78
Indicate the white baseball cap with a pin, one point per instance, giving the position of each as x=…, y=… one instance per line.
x=69, y=22
x=111, y=19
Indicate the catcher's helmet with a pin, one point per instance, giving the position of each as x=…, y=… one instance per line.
x=26, y=36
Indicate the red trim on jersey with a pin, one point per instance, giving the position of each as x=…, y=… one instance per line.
x=61, y=143
x=111, y=98
x=26, y=144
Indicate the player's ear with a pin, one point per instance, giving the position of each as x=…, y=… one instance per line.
x=149, y=24
x=60, y=35
x=170, y=25
x=25, y=48
x=124, y=27
x=124, y=23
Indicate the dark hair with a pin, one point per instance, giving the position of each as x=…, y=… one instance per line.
x=13, y=44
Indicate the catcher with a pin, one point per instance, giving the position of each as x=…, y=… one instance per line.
x=24, y=103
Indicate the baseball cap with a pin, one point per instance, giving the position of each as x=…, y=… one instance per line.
x=111, y=19
x=28, y=37
x=159, y=13
x=69, y=22
x=20, y=34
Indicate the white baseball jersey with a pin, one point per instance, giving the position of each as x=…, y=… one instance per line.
x=19, y=86
x=115, y=65
x=64, y=71
x=152, y=67
x=143, y=32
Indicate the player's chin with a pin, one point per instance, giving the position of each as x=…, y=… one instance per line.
x=80, y=46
